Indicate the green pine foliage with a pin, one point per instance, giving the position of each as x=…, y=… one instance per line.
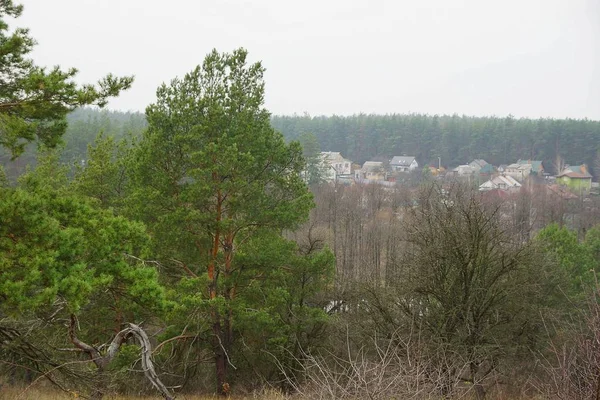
x=56, y=245
x=212, y=179
x=34, y=100
x=315, y=169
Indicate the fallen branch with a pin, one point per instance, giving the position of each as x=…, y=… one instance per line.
x=102, y=361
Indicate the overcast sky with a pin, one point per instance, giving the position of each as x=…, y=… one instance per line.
x=531, y=58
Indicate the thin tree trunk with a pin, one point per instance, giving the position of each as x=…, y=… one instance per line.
x=220, y=360
x=217, y=341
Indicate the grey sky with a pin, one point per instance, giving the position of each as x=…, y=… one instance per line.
x=478, y=57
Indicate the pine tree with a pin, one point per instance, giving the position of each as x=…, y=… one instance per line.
x=34, y=101
x=211, y=173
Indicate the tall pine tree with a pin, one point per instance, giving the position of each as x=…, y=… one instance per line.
x=211, y=173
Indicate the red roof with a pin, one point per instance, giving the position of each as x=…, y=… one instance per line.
x=562, y=192
x=576, y=171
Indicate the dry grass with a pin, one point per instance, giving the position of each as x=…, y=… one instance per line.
x=8, y=393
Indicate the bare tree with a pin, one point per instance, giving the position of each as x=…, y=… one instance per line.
x=465, y=279
x=572, y=364
x=380, y=368
x=559, y=164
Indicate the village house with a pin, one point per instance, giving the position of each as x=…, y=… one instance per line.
x=463, y=170
x=576, y=178
x=501, y=182
x=481, y=167
x=371, y=170
x=335, y=165
x=518, y=171
x=537, y=167
x=403, y=164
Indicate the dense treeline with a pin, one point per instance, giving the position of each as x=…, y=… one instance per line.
x=84, y=125
x=456, y=139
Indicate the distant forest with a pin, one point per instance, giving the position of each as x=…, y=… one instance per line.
x=85, y=125
x=456, y=139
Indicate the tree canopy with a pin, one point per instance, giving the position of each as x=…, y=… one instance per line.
x=34, y=100
x=211, y=177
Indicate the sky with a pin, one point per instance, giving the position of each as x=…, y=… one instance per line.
x=527, y=58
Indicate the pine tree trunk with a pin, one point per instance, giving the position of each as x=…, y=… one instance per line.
x=220, y=361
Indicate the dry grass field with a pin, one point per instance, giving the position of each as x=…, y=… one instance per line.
x=49, y=394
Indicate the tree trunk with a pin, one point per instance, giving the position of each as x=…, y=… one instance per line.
x=220, y=360
x=100, y=385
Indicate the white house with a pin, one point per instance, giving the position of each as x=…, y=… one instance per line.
x=518, y=171
x=478, y=164
x=464, y=169
x=403, y=163
x=335, y=165
x=502, y=182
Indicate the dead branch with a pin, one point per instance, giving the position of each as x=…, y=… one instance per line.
x=102, y=361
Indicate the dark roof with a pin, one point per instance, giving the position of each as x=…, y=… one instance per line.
x=481, y=163
x=487, y=169
x=402, y=161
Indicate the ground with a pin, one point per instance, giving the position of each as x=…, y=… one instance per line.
x=8, y=393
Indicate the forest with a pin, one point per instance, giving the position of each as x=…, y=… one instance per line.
x=455, y=139
x=182, y=252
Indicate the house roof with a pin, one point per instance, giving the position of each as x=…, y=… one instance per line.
x=576, y=171
x=478, y=162
x=402, y=161
x=561, y=192
x=519, y=167
x=464, y=167
x=332, y=156
x=500, y=182
x=487, y=169
x=372, y=165
x=536, y=165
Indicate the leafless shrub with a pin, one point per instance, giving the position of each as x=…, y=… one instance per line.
x=572, y=367
x=397, y=367
x=572, y=362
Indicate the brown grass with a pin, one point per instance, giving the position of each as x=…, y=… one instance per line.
x=11, y=393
